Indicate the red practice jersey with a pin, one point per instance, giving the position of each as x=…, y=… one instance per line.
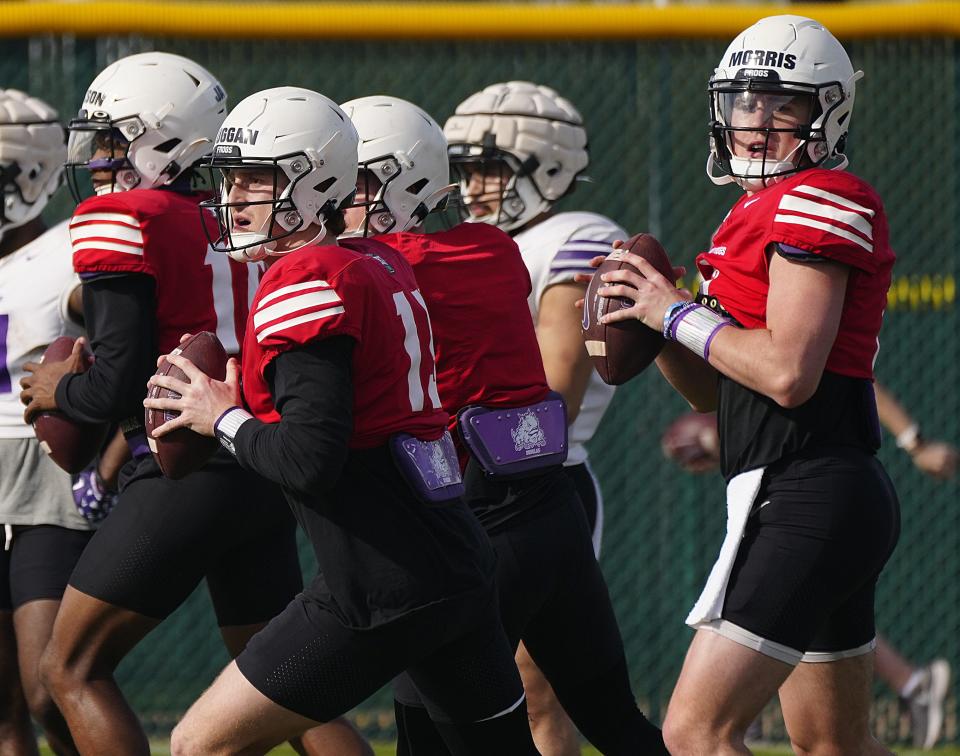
x=316, y=293
x=476, y=287
x=829, y=214
x=158, y=232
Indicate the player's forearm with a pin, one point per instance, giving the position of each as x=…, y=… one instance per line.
x=893, y=415
x=307, y=449
x=693, y=379
x=569, y=375
x=121, y=325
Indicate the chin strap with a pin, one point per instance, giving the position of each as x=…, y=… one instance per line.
x=718, y=180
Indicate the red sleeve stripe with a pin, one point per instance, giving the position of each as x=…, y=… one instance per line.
x=801, y=220
x=293, y=288
x=309, y=301
x=290, y=323
x=835, y=198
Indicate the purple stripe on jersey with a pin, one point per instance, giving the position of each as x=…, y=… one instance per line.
x=579, y=255
x=570, y=252
x=587, y=242
x=5, y=384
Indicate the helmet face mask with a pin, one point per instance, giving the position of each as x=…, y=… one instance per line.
x=277, y=177
x=762, y=133
x=780, y=102
x=371, y=196
x=493, y=187
x=98, y=157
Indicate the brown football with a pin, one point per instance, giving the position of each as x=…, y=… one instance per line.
x=70, y=444
x=692, y=441
x=183, y=451
x=622, y=350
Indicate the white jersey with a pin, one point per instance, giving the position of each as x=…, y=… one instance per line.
x=554, y=251
x=35, y=285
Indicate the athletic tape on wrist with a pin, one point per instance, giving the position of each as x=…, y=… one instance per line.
x=695, y=327
x=227, y=426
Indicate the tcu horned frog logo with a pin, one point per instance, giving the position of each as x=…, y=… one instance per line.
x=528, y=435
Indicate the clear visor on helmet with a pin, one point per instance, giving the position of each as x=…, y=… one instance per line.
x=96, y=152
x=781, y=111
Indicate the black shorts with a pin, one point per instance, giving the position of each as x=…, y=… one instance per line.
x=164, y=536
x=38, y=563
x=802, y=586
x=552, y=593
x=307, y=661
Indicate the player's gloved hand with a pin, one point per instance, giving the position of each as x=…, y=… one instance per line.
x=91, y=495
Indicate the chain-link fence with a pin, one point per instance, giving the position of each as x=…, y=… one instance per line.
x=646, y=110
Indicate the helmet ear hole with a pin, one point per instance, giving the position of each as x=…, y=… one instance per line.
x=324, y=185
x=168, y=145
x=416, y=187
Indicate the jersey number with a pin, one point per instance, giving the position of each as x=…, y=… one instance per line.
x=5, y=386
x=405, y=301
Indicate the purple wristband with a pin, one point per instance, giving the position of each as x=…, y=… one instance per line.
x=713, y=333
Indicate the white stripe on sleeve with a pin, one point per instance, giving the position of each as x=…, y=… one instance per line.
x=109, y=246
x=283, y=324
x=801, y=221
x=842, y=201
x=294, y=304
x=111, y=217
x=292, y=288
x=106, y=231
x=828, y=212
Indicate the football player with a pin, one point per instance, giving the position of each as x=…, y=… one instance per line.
x=148, y=275
x=516, y=148
x=44, y=533
x=342, y=410
x=552, y=593
x=781, y=339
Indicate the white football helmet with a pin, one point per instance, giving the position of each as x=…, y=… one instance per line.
x=145, y=119
x=404, y=148
x=310, y=146
x=534, y=133
x=32, y=151
x=777, y=61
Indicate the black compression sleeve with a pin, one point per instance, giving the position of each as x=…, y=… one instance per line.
x=121, y=324
x=313, y=392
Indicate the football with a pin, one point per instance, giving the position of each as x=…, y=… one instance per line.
x=70, y=444
x=692, y=441
x=183, y=451
x=622, y=350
